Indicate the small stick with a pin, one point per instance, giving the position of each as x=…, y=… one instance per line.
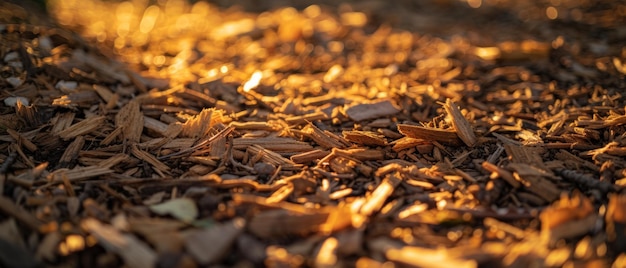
x=8, y=162
x=586, y=180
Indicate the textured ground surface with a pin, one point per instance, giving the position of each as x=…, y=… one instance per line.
x=363, y=133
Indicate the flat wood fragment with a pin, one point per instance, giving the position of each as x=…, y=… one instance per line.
x=133, y=251
x=361, y=154
x=155, y=125
x=365, y=137
x=448, y=136
x=279, y=223
x=77, y=173
x=302, y=119
x=501, y=173
x=378, y=197
x=131, y=120
x=83, y=127
x=71, y=153
x=273, y=158
x=327, y=253
x=251, y=125
x=22, y=140
x=151, y=159
x=461, y=125
x=201, y=124
x=374, y=110
x=306, y=157
x=273, y=143
x=324, y=138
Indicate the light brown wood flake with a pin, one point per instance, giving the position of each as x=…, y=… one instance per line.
x=360, y=154
x=252, y=125
x=218, y=147
x=112, y=136
x=365, y=137
x=155, y=125
x=281, y=194
x=113, y=160
x=325, y=139
x=309, y=156
x=360, y=112
x=278, y=223
x=83, y=127
x=151, y=159
x=273, y=158
x=461, y=125
x=501, y=173
x=77, y=173
x=134, y=252
x=327, y=253
x=131, y=120
x=407, y=142
x=201, y=124
x=276, y=144
x=20, y=139
x=302, y=119
x=377, y=198
x=105, y=93
x=525, y=155
x=568, y=217
x=448, y=136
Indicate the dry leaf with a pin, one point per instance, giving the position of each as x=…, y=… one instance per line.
x=183, y=209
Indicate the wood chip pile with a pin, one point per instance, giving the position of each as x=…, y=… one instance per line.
x=421, y=133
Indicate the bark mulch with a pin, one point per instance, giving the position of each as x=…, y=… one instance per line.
x=362, y=133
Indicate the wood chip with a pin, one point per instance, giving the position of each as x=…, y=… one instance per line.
x=365, y=138
x=83, y=127
x=374, y=110
x=131, y=120
x=379, y=196
x=461, y=125
x=151, y=159
x=447, y=136
x=274, y=144
x=133, y=251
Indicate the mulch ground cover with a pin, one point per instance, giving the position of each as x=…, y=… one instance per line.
x=435, y=133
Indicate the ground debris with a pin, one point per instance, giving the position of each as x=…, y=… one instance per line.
x=329, y=134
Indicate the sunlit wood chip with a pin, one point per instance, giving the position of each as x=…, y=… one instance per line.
x=565, y=210
x=448, y=136
x=327, y=255
x=374, y=110
x=461, y=125
x=325, y=139
x=377, y=198
x=365, y=137
x=273, y=158
x=273, y=143
x=201, y=124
